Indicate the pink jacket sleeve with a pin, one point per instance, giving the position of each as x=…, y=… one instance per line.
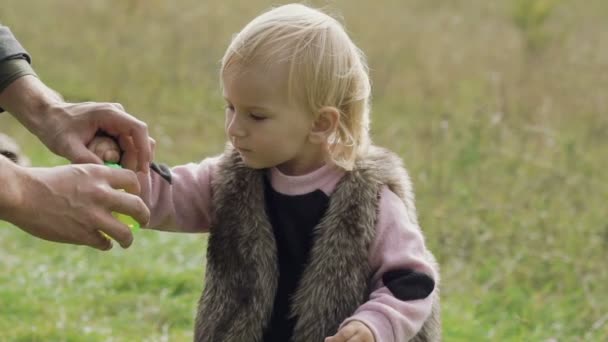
x=399, y=245
x=184, y=205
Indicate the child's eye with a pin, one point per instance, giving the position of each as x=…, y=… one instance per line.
x=229, y=107
x=257, y=117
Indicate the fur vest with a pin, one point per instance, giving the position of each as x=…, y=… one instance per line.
x=242, y=265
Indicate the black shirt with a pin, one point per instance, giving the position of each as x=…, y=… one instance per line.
x=293, y=219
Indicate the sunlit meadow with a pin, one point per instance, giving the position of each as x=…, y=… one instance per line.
x=499, y=108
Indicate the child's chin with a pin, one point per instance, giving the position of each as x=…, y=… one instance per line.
x=252, y=163
x=256, y=166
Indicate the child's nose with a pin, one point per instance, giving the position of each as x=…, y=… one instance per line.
x=235, y=128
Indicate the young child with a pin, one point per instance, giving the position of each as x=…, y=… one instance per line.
x=313, y=234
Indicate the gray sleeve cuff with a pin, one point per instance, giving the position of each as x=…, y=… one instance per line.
x=10, y=48
x=11, y=70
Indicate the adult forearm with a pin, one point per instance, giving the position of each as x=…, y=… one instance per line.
x=28, y=99
x=10, y=191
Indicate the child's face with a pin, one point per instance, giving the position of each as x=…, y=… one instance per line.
x=266, y=129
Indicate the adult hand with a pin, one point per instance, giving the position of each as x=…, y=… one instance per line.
x=72, y=126
x=67, y=128
x=72, y=203
x=354, y=331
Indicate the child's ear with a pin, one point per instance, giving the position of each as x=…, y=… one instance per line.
x=324, y=125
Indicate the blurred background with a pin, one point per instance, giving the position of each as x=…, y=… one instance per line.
x=499, y=109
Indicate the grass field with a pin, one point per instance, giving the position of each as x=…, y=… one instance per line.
x=499, y=108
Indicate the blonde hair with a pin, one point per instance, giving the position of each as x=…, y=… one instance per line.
x=326, y=69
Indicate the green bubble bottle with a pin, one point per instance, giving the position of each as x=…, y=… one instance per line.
x=126, y=219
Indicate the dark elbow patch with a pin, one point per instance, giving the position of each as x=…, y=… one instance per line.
x=408, y=284
x=162, y=170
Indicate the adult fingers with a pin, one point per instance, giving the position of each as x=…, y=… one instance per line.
x=128, y=159
x=122, y=179
x=118, y=106
x=133, y=206
x=138, y=145
x=74, y=236
x=142, y=144
x=152, y=143
x=119, y=123
x=99, y=241
x=90, y=238
x=127, y=202
x=115, y=229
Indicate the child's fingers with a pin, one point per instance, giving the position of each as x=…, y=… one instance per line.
x=111, y=156
x=108, y=150
x=335, y=338
x=354, y=331
x=358, y=338
x=105, y=148
x=343, y=335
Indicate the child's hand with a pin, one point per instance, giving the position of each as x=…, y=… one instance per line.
x=354, y=331
x=105, y=148
x=108, y=150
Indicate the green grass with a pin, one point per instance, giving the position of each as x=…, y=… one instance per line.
x=504, y=128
